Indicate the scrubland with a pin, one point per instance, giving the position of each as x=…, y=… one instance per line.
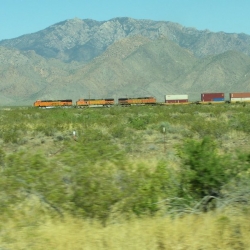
x=147, y=177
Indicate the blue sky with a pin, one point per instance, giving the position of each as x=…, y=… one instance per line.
x=19, y=17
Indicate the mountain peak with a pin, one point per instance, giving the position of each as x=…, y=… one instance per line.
x=83, y=39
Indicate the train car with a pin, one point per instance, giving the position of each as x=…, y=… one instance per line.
x=239, y=97
x=176, y=99
x=53, y=103
x=212, y=97
x=95, y=102
x=137, y=101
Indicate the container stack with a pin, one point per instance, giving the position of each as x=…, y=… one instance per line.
x=212, y=97
x=240, y=97
x=176, y=99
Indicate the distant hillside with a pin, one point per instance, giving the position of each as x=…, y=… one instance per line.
x=83, y=40
x=137, y=67
x=133, y=66
x=121, y=57
x=226, y=72
x=25, y=74
x=162, y=67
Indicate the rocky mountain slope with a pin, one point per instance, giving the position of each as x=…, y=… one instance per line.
x=83, y=40
x=121, y=57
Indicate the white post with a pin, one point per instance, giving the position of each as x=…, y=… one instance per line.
x=164, y=138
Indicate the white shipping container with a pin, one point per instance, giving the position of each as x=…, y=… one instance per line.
x=176, y=97
x=247, y=99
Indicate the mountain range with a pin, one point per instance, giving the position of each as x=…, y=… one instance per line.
x=121, y=57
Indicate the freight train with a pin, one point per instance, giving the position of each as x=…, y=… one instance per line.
x=108, y=102
x=206, y=98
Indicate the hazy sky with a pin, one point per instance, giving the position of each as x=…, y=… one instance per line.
x=19, y=17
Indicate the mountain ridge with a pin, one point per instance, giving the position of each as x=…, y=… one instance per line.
x=124, y=57
x=84, y=39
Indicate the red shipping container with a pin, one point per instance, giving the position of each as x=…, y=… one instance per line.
x=177, y=101
x=208, y=97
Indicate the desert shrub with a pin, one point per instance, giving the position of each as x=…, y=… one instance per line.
x=236, y=193
x=10, y=134
x=132, y=141
x=241, y=122
x=94, y=190
x=2, y=157
x=118, y=131
x=215, y=129
x=92, y=147
x=145, y=189
x=59, y=137
x=203, y=170
x=24, y=175
x=138, y=122
x=101, y=178
x=90, y=162
x=46, y=129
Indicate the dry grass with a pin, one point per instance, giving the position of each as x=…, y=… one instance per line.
x=215, y=230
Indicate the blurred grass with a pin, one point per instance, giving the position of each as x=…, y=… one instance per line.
x=214, y=230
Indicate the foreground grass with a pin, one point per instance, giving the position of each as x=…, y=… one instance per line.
x=214, y=230
x=120, y=167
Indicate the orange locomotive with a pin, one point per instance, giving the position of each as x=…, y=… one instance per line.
x=137, y=101
x=95, y=102
x=53, y=103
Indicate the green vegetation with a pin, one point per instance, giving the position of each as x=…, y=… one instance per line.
x=125, y=165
